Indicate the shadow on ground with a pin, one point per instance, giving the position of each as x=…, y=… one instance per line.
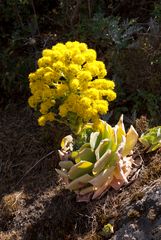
x=63, y=219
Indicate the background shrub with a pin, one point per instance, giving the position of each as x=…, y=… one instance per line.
x=128, y=43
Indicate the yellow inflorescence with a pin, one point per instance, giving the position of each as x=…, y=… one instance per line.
x=69, y=80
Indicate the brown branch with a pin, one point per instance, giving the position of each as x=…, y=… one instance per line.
x=35, y=16
x=75, y=11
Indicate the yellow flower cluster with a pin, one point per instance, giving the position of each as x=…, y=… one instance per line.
x=69, y=80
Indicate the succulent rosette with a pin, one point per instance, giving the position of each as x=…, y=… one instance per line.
x=151, y=139
x=103, y=162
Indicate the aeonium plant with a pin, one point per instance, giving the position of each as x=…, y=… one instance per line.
x=70, y=87
x=103, y=162
x=151, y=139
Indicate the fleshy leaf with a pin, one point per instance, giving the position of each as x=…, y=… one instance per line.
x=111, y=137
x=67, y=143
x=120, y=124
x=117, y=183
x=86, y=145
x=112, y=160
x=79, y=182
x=63, y=155
x=102, y=189
x=66, y=164
x=102, y=148
x=120, y=131
x=86, y=190
x=105, y=130
x=100, y=165
x=154, y=147
x=61, y=173
x=85, y=155
x=94, y=140
x=151, y=139
x=102, y=178
x=131, y=140
x=80, y=169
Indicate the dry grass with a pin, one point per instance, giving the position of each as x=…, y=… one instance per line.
x=38, y=207
x=22, y=144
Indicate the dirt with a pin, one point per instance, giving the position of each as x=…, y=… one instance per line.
x=34, y=204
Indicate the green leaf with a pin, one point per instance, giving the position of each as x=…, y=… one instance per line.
x=151, y=139
x=79, y=182
x=61, y=173
x=112, y=160
x=102, y=148
x=131, y=140
x=85, y=155
x=80, y=169
x=120, y=124
x=100, y=165
x=120, y=131
x=103, y=177
x=95, y=140
x=66, y=164
x=107, y=229
x=154, y=147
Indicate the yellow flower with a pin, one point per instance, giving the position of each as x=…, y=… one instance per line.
x=50, y=116
x=63, y=110
x=40, y=72
x=50, y=77
x=59, y=46
x=83, y=47
x=103, y=84
x=92, y=68
x=46, y=117
x=90, y=55
x=111, y=95
x=47, y=53
x=102, y=73
x=92, y=93
x=98, y=125
x=43, y=108
x=84, y=76
x=58, y=66
x=32, y=102
x=85, y=102
x=32, y=77
x=61, y=90
x=101, y=106
x=100, y=65
x=70, y=82
x=72, y=44
x=78, y=59
x=42, y=120
x=102, y=69
x=74, y=84
x=46, y=105
x=73, y=70
x=56, y=55
x=44, y=61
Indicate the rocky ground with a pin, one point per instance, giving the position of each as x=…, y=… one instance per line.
x=34, y=204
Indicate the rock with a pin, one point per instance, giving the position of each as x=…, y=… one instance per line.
x=142, y=219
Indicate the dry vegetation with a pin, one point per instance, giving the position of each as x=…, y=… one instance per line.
x=38, y=206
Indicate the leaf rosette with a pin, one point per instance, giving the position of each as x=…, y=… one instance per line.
x=151, y=139
x=103, y=162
